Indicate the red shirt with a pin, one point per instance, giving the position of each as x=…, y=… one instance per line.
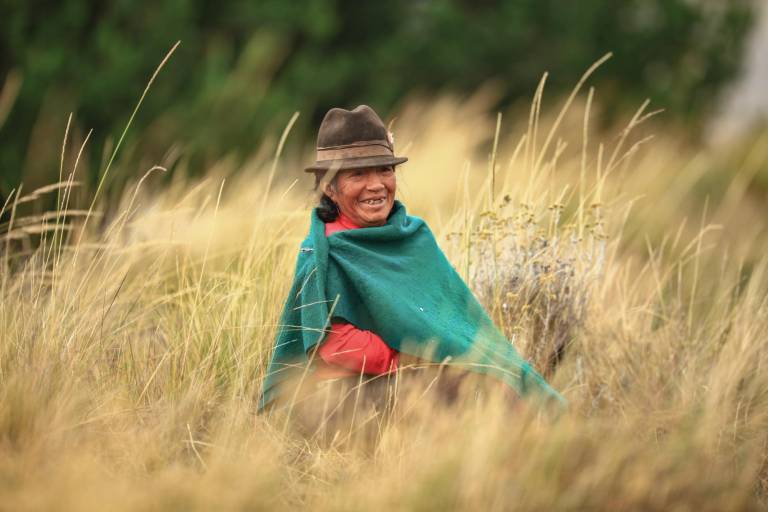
x=347, y=350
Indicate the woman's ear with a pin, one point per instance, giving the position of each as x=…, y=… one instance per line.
x=329, y=190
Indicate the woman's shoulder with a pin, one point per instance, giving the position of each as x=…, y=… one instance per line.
x=305, y=257
x=403, y=219
x=307, y=245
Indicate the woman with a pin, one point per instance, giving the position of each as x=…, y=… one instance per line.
x=371, y=283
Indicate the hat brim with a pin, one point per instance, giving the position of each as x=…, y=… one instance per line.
x=356, y=163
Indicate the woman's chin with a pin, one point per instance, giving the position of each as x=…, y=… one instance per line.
x=374, y=216
x=375, y=221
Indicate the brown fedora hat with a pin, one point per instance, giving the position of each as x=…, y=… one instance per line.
x=353, y=139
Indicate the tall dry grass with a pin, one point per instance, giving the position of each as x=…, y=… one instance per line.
x=133, y=347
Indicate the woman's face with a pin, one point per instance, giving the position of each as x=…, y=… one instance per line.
x=365, y=196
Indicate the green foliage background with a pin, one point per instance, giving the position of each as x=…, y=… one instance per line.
x=244, y=66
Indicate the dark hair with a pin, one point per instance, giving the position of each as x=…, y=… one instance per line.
x=327, y=209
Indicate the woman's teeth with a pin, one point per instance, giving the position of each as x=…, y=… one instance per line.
x=374, y=201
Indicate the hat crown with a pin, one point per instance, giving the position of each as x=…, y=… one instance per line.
x=353, y=139
x=342, y=127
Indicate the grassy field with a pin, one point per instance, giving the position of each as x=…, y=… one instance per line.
x=133, y=346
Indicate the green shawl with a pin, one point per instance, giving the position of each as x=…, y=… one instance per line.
x=395, y=281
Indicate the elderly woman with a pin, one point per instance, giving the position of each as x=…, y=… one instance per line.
x=371, y=283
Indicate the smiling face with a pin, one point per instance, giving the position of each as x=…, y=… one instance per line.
x=365, y=196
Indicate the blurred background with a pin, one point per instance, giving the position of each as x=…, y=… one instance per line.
x=137, y=315
x=243, y=68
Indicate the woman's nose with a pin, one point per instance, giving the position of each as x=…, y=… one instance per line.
x=374, y=183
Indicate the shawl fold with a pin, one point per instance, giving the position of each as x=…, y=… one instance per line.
x=395, y=281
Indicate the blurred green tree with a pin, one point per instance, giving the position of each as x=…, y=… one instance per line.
x=243, y=66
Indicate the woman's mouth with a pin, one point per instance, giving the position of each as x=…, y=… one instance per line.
x=374, y=202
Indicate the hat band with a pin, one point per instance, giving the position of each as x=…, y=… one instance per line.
x=353, y=152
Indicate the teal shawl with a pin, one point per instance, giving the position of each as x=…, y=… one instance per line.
x=395, y=281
